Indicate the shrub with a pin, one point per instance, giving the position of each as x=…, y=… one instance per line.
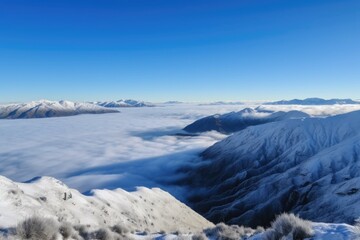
x=120, y=229
x=199, y=236
x=182, y=237
x=119, y=237
x=259, y=229
x=102, y=234
x=37, y=228
x=289, y=226
x=66, y=230
x=357, y=228
x=225, y=232
x=83, y=231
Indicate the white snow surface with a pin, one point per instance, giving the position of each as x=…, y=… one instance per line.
x=46, y=108
x=145, y=208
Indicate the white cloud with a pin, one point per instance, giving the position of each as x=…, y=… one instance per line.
x=314, y=110
x=61, y=147
x=134, y=147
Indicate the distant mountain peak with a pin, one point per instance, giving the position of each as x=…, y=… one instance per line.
x=46, y=108
x=236, y=121
x=124, y=103
x=314, y=101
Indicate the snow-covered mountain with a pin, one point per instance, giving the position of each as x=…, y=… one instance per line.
x=307, y=166
x=236, y=121
x=124, y=103
x=45, y=108
x=173, y=102
x=222, y=103
x=313, y=101
x=151, y=209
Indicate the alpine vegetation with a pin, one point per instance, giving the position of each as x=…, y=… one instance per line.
x=289, y=226
x=37, y=228
x=225, y=232
x=66, y=230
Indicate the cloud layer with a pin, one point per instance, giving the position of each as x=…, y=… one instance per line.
x=64, y=147
x=138, y=146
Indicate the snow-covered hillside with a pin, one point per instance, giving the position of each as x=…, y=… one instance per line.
x=314, y=101
x=64, y=213
x=308, y=166
x=45, y=108
x=236, y=121
x=124, y=103
x=151, y=209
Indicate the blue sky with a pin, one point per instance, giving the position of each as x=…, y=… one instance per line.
x=187, y=50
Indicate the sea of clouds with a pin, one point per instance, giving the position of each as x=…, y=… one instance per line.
x=125, y=149
x=136, y=147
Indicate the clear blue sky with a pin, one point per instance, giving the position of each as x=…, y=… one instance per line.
x=189, y=50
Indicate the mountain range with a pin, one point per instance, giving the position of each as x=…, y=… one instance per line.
x=313, y=101
x=46, y=108
x=236, y=121
x=124, y=103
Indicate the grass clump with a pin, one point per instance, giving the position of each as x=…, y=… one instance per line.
x=289, y=226
x=225, y=232
x=37, y=228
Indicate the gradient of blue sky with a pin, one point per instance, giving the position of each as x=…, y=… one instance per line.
x=190, y=50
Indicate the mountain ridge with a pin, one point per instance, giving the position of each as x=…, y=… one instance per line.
x=314, y=101
x=152, y=209
x=236, y=121
x=46, y=108
x=124, y=103
x=295, y=165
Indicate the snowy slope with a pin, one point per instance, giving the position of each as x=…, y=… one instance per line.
x=308, y=166
x=45, y=108
x=151, y=209
x=124, y=103
x=236, y=121
x=313, y=101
